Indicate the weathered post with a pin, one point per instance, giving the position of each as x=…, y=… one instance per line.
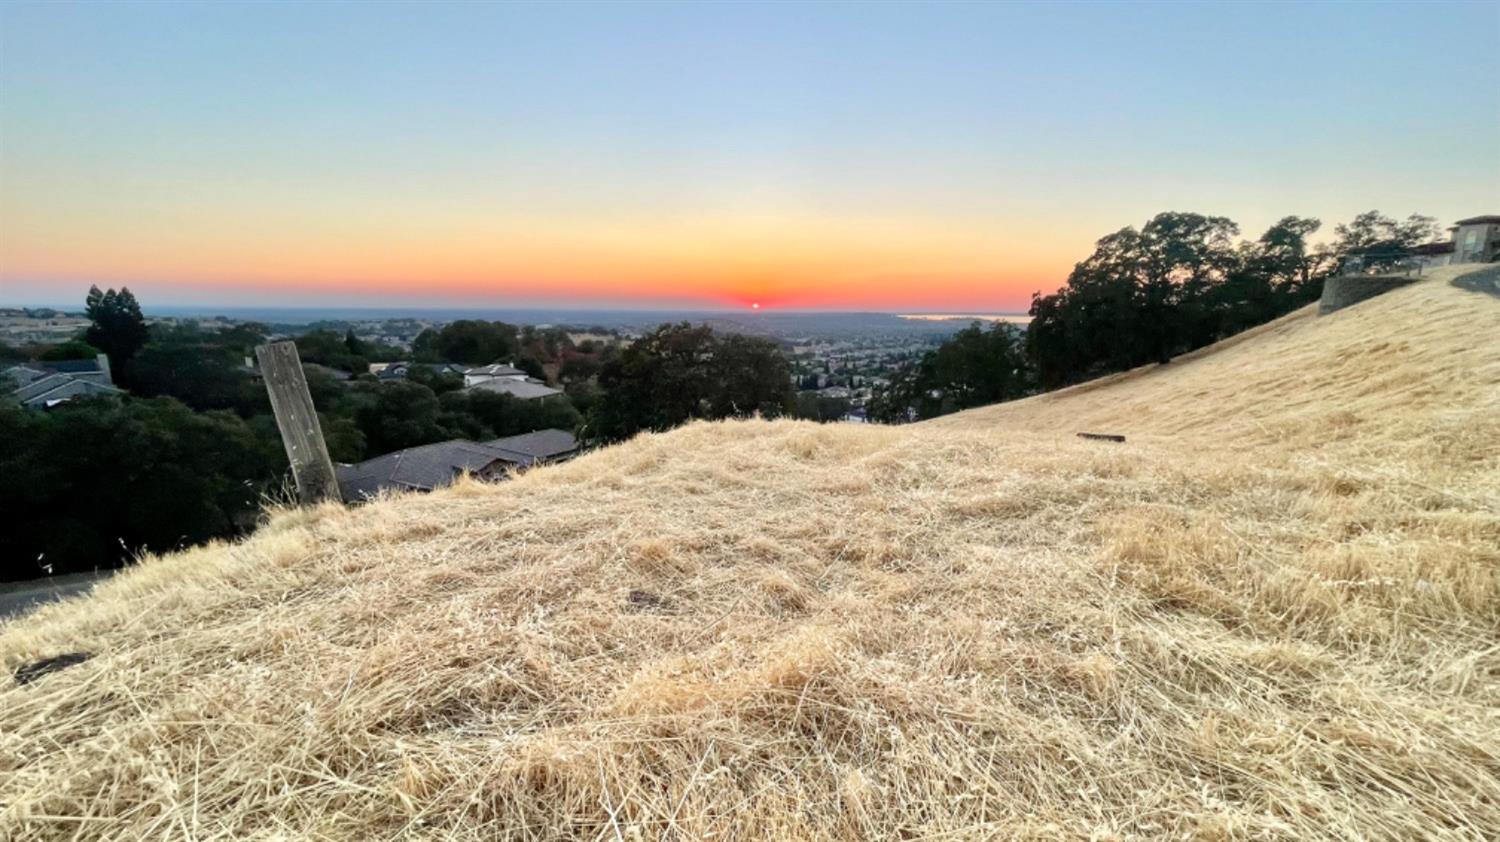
x=298, y=421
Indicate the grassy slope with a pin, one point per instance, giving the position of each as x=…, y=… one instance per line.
x=1272, y=613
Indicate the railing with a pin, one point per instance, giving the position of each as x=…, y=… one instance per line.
x=1382, y=264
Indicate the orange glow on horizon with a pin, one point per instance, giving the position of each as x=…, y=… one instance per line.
x=754, y=262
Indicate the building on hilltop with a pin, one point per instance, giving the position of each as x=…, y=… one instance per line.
x=1472, y=240
x=431, y=466
x=1476, y=239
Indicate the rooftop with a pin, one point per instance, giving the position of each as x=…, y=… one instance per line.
x=525, y=389
x=421, y=468
x=539, y=445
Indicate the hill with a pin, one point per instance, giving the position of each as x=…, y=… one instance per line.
x=1271, y=613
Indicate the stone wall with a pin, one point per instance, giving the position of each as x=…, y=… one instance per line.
x=1344, y=290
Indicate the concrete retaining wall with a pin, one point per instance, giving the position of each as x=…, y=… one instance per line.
x=1344, y=290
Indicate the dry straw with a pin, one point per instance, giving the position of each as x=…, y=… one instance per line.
x=1274, y=613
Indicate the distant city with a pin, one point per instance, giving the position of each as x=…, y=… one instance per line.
x=840, y=356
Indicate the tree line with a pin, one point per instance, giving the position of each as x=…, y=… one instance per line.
x=191, y=452
x=1179, y=282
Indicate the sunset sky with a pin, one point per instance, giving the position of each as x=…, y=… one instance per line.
x=831, y=156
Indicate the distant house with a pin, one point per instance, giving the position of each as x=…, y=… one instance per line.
x=400, y=370
x=488, y=373
x=526, y=389
x=1472, y=240
x=433, y=466
x=43, y=385
x=1476, y=239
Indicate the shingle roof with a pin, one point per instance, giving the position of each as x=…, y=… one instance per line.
x=55, y=388
x=421, y=468
x=526, y=389
x=496, y=370
x=539, y=445
x=19, y=375
x=1479, y=220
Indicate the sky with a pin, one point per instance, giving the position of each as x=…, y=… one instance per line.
x=848, y=156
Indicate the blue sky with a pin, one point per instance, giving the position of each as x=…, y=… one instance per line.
x=830, y=154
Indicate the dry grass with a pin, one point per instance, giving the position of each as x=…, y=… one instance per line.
x=1274, y=613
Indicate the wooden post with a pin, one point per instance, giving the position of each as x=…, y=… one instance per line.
x=298, y=420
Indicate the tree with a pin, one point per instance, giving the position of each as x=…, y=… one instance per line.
x=73, y=349
x=532, y=366
x=1376, y=240
x=482, y=414
x=815, y=407
x=973, y=368
x=748, y=376
x=326, y=347
x=467, y=341
x=679, y=372
x=100, y=480
x=202, y=377
x=354, y=344
x=393, y=416
x=116, y=326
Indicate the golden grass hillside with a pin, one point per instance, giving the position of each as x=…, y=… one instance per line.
x=1273, y=613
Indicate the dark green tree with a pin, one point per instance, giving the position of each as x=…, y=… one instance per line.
x=678, y=372
x=467, y=341
x=1377, y=240
x=97, y=481
x=116, y=327
x=748, y=376
x=73, y=349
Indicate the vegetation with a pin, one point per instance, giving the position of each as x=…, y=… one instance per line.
x=99, y=478
x=1178, y=283
x=1270, y=614
x=678, y=373
x=118, y=328
x=468, y=341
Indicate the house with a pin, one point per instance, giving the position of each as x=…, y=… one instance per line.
x=400, y=370
x=1476, y=239
x=541, y=445
x=43, y=385
x=423, y=468
x=436, y=465
x=488, y=373
x=526, y=388
x=1472, y=240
